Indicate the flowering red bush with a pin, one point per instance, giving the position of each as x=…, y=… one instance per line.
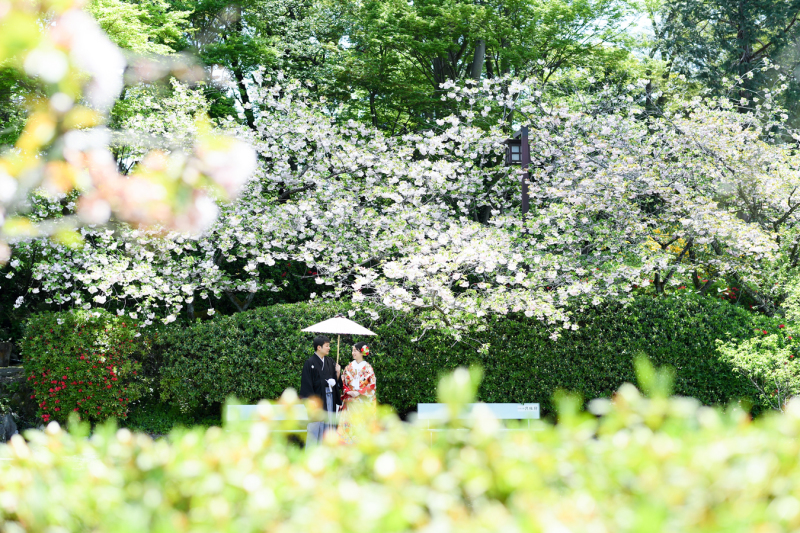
x=83, y=362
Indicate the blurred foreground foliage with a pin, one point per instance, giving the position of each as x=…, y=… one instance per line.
x=647, y=464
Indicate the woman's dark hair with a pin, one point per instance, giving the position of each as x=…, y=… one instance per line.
x=319, y=340
x=360, y=346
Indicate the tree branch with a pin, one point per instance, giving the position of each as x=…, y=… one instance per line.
x=286, y=195
x=240, y=305
x=786, y=29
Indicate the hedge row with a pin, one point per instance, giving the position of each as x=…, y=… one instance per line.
x=646, y=466
x=258, y=354
x=84, y=362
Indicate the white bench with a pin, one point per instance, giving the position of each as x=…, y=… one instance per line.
x=432, y=412
x=297, y=418
x=235, y=414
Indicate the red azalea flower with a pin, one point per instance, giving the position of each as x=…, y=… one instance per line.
x=765, y=332
x=781, y=326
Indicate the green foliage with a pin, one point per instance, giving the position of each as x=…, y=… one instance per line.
x=585, y=474
x=83, y=362
x=258, y=354
x=401, y=52
x=252, y=355
x=5, y=405
x=382, y=61
x=770, y=363
x=158, y=418
x=144, y=27
x=712, y=40
x=655, y=382
x=13, y=90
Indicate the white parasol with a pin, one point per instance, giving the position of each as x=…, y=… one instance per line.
x=338, y=326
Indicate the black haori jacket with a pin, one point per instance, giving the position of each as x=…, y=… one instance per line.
x=313, y=380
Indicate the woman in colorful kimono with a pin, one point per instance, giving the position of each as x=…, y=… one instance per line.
x=358, y=393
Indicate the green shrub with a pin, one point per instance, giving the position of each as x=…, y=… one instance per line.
x=647, y=465
x=158, y=418
x=771, y=364
x=258, y=354
x=84, y=362
x=252, y=355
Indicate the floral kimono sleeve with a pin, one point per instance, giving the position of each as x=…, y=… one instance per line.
x=348, y=376
x=368, y=383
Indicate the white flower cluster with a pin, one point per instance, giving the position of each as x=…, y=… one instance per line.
x=430, y=221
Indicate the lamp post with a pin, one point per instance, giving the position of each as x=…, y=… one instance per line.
x=518, y=152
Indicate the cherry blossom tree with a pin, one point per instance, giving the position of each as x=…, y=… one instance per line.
x=623, y=197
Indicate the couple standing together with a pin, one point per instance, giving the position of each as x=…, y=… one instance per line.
x=340, y=392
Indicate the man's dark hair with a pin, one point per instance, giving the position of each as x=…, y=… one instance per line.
x=319, y=340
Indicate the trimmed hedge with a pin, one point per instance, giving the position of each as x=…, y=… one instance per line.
x=258, y=354
x=84, y=362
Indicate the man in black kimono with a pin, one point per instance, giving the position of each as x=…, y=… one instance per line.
x=320, y=378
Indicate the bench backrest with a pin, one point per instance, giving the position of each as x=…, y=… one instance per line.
x=425, y=411
x=501, y=411
x=236, y=413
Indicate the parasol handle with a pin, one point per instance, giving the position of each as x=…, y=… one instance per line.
x=338, y=340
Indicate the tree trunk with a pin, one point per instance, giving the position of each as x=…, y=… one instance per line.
x=439, y=74
x=372, y=109
x=238, y=73
x=477, y=60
